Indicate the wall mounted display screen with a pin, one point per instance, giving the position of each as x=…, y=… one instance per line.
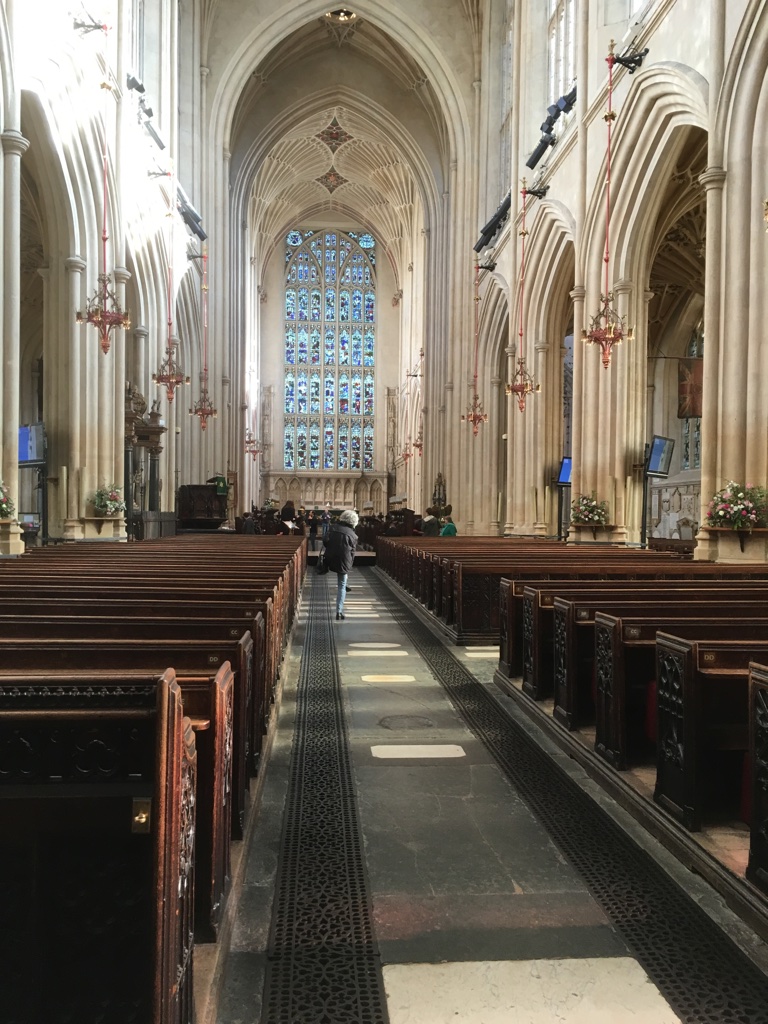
x=660, y=456
x=564, y=476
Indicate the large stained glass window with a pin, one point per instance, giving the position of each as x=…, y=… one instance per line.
x=330, y=327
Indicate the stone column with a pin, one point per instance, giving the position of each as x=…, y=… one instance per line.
x=713, y=180
x=153, y=504
x=14, y=145
x=71, y=496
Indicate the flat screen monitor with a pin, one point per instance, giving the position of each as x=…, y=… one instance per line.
x=31, y=443
x=660, y=456
x=564, y=476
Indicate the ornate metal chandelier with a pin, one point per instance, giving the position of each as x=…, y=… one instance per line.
x=607, y=328
x=203, y=407
x=252, y=445
x=523, y=383
x=170, y=375
x=474, y=413
x=102, y=310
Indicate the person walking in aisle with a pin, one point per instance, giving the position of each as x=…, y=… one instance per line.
x=340, y=546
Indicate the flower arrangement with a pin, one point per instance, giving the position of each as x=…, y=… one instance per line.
x=7, y=508
x=588, y=511
x=107, y=501
x=738, y=507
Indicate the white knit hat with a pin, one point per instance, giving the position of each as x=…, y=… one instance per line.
x=349, y=518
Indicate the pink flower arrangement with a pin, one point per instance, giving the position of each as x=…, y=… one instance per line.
x=738, y=507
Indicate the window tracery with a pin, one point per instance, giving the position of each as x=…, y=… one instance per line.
x=329, y=350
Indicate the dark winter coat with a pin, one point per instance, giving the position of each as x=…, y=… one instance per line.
x=340, y=545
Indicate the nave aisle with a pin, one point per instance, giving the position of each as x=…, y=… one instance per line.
x=415, y=883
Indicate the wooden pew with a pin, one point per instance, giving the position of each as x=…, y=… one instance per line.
x=189, y=657
x=97, y=813
x=625, y=666
x=574, y=639
x=757, y=865
x=702, y=711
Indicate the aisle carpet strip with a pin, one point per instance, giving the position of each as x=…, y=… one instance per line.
x=323, y=962
x=704, y=977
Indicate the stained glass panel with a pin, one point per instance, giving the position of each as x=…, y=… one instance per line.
x=301, y=446
x=357, y=395
x=357, y=348
x=329, y=437
x=301, y=394
x=289, y=455
x=355, y=447
x=368, y=395
x=290, y=394
x=314, y=394
x=314, y=347
x=344, y=347
x=344, y=446
x=336, y=260
x=314, y=446
x=330, y=392
x=303, y=337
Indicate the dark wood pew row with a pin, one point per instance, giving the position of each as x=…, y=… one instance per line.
x=97, y=830
x=703, y=721
x=255, y=585
x=526, y=610
x=625, y=668
x=466, y=600
x=268, y=632
x=757, y=865
x=574, y=641
x=189, y=656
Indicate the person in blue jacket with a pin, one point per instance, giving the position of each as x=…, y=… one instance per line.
x=340, y=546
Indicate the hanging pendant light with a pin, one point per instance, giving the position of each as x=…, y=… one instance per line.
x=523, y=383
x=252, y=445
x=474, y=413
x=102, y=310
x=170, y=375
x=203, y=407
x=607, y=328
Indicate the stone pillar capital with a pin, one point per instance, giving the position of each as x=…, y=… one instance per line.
x=122, y=275
x=713, y=178
x=578, y=293
x=14, y=143
x=74, y=264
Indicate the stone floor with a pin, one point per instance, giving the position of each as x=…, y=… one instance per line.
x=478, y=916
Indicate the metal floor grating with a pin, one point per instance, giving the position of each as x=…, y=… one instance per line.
x=323, y=964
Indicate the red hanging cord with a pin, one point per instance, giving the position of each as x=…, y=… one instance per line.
x=523, y=234
x=609, y=119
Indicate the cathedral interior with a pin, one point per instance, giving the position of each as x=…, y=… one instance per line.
x=496, y=260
